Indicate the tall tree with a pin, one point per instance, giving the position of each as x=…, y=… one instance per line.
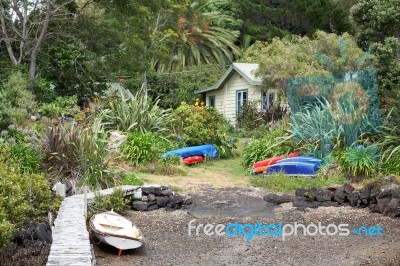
x=264, y=20
x=25, y=27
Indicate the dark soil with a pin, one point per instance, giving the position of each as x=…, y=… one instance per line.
x=166, y=239
x=22, y=256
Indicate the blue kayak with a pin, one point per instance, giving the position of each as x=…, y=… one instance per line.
x=303, y=166
x=301, y=159
x=207, y=150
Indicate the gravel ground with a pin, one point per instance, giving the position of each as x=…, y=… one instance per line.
x=167, y=241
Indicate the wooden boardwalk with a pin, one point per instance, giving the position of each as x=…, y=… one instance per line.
x=71, y=245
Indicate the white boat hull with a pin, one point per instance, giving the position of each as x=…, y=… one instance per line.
x=118, y=242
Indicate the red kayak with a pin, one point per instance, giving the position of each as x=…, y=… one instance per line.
x=262, y=166
x=193, y=159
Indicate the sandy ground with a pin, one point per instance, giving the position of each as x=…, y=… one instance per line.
x=167, y=241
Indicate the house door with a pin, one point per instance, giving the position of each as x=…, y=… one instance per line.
x=241, y=99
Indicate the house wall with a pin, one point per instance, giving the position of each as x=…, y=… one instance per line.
x=225, y=98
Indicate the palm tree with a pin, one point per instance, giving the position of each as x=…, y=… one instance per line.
x=196, y=39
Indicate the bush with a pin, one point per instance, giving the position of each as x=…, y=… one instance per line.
x=284, y=183
x=359, y=161
x=131, y=179
x=22, y=196
x=198, y=125
x=17, y=99
x=115, y=201
x=29, y=160
x=80, y=152
x=251, y=117
x=61, y=106
x=141, y=148
x=138, y=113
x=274, y=143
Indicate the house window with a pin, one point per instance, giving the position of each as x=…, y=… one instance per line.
x=267, y=100
x=211, y=101
x=241, y=99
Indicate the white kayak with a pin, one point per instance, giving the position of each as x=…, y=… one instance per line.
x=115, y=230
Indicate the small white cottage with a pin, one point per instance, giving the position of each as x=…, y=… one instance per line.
x=237, y=86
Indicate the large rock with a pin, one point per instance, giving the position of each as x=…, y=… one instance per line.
x=141, y=206
x=301, y=192
x=302, y=203
x=166, y=192
x=277, y=199
x=162, y=201
x=365, y=195
x=340, y=195
x=151, y=197
x=393, y=208
x=354, y=199
x=146, y=190
x=382, y=203
x=175, y=199
x=323, y=195
x=152, y=207
x=348, y=188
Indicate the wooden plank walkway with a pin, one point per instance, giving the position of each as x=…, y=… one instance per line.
x=71, y=245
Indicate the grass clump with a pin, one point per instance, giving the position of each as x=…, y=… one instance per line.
x=283, y=183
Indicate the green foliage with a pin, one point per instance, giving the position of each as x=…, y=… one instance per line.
x=360, y=162
x=264, y=20
x=28, y=158
x=283, y=183
x=60, y=106
x=139, y=113
x=203, y=125
x=274, y=143
x=16, y=99
x=141, y=148
x=174, y=88
x=388, y=141
x=22, y=196
x=296, y=57
x=80, y=152
x=43, y=90
x=131, y=179
x=115, y=201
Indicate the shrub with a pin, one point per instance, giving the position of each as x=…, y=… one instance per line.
x=115, y=201
x=198, y=125
x=141, y=148
x=80, y=152
x=22, y=196
x=61, y=106
x=20, y=100
x=284, y=183
x=27, y=156
x=359, y=161
x=251, y=117
x=137, y=113
x=274, y=143
x=131, y=179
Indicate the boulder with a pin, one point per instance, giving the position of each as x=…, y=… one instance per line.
x=277, y=199
x=151, y=197
x=146, y=190
x=141, y=206
x=175, y=199
x=365, y=195
x=393, y=208
x=152, y=207
x=382, y=203
x=166, y=192
x=354, y=199
x=340, y=195
x=301, y=192
x=162, y=201
x=348, y=188
x=302, y=203
x=322, y=195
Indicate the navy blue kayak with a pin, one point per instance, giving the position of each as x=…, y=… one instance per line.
x=207, y=150
x=297, y=166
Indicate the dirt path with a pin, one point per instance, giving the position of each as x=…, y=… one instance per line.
x=167, y=241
